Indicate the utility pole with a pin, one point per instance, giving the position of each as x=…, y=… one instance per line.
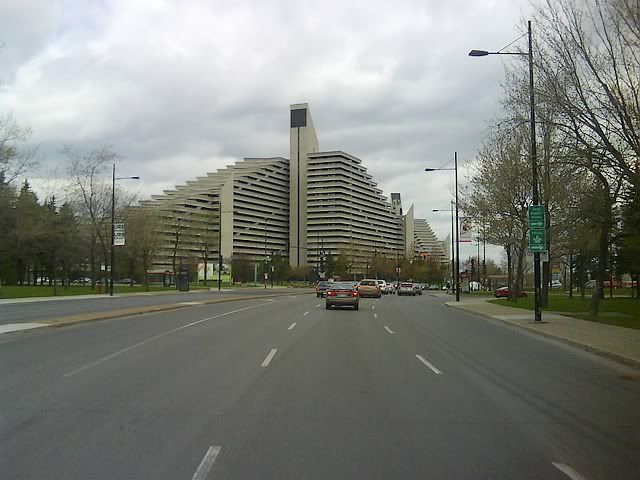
x=219, y=242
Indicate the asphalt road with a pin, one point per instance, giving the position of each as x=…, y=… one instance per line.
x=282, y=388
x=28, y=310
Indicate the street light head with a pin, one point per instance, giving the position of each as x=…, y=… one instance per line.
x=478, y=53
x=429, y=169
x=135, y=178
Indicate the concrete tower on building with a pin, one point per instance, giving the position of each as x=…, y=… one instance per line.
x=302, y=142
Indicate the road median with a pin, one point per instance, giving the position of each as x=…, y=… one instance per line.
x=132, y=311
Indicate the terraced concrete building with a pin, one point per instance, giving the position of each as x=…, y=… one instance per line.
x=313, y=204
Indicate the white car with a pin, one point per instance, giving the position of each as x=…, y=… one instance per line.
x=383, y=286
x=556, y=284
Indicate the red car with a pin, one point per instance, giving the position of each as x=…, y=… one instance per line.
x=504, y=292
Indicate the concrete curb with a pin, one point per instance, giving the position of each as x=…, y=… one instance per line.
x=629, y=362
x=129, y=312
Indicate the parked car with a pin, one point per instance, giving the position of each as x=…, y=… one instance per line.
x=369, y=288
x=81, y=281
x=127, y=281
x=503, y=292
x=321, y=288
x=556, y=284
x=406, y=288
x=418, y=288
x=342, y=294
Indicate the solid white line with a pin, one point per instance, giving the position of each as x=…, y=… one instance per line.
x=292, y=326
x=375, y=315
x=155, y=337
x=206, y=463
x=388, y=330
x=433, y=369
x=267, y=360
x=568, y=471
x=306, y=313
x=190, y=303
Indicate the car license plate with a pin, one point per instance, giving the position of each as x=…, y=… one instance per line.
x=343, y=294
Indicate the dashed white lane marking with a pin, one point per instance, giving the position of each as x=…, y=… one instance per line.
x=373, y=307
x=305, y=313
x=388, y=330
x=270, y=356
x=206, y=463
x=292, y=326
x=568, y=471
x=319, y=305
x=155, y=337
x=375, y=315
x=293, y=296
x=269, y=300
x=426, y=362
x=191, y=303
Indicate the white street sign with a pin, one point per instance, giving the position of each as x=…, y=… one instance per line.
x=118, y=234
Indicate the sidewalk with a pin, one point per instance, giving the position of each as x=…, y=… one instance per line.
x=616, y=343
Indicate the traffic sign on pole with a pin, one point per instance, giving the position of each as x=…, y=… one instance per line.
x=537, y=233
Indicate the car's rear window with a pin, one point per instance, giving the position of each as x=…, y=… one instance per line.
x=323, y=284
x=368, y=282
x=342, y=286
x=406, y=284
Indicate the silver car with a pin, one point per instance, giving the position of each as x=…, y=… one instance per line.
x=407, y=288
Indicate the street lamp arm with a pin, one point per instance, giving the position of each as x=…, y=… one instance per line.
x=484, y=53
x=437, y=169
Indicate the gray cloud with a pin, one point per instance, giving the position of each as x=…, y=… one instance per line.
x=182, y=88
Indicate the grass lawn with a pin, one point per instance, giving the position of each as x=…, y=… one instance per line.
x=623, y=312
x=12, y=291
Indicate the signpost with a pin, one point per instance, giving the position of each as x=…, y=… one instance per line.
x=118, y=234
x=537, y=233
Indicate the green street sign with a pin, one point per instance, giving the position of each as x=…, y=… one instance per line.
x=537, y=233
x=536, y=216
x=537, y=240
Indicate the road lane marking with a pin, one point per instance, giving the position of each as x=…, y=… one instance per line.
x=305, y=313
x=568, y=471
x=388, y=330
x=270, y=356
x=154, y=337
x=373, y=307
x=191, y=303
x=319, y=305
x=207, y=462
x=291, y=327
x=426, y=362
x=269, y=300
x=375, y=315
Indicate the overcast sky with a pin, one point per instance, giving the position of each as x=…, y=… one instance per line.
x=181, y=88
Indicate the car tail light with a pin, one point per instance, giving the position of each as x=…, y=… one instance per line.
x=354, y=294
x=331, y=293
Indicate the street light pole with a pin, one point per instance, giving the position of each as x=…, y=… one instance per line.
x=113, y=233
x=457, y=233
x=457, y=255
x=534, y=168
x=534, y=175
x=113, y=220
x=219, y=243
x=453, y=252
